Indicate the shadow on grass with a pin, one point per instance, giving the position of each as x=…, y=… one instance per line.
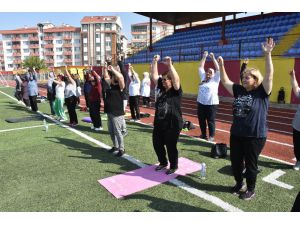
x=163, y=205
x=92, y=152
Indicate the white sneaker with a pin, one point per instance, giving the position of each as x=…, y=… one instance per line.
x=92, y=127
x=98, y=129
x=297, y=166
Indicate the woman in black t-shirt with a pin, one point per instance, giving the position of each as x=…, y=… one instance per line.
x=168, y=117
x=249, y=128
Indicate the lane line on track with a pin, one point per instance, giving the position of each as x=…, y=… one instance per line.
x=201, y=194
x=272, y=179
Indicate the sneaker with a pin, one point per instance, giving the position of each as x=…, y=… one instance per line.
x=238, y=189
x=132, y=120
x=160, y=167
x=120, y=153
x=297, y=166
x=62, y=120
x=98, y=129
x=203, y=137
x=113, y=149
x=248, y=195
x=170, y=171
x=74, y=124
x=92, y=127
x=137, y=120
x=211, y=139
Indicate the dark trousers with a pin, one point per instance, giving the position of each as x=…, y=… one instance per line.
x=168, y=137
x=146, y=101
x=26, y=101
x=134, y=107
x=86, y=97
x=207, y=116
x=245, y=149
x=95, y=114
x=71, y=103
x=18, y=95
x=296, y=205
x=296, y=141
x=33, y=103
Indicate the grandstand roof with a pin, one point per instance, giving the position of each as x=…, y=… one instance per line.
x=179, y=18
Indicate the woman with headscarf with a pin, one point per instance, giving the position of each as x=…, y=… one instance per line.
x=145, y=89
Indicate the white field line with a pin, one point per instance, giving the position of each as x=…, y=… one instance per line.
x=214, y=200
x=23, y=128
x=272, y=179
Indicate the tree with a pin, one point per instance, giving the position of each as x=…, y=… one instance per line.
x=34, y=62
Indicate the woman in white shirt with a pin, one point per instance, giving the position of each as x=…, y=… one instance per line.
x=134, y=93
x=145, y=90
x=208, y=99
x=60, y=98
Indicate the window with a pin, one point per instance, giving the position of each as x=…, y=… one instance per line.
x=25, y=42
x=97, y=35
x=58, y=41
x=77, y=57
x=8, y=50
x=85, y=45
x=77, y=49
x=108, y=44
x=77, y=41
x=59, y=57
x=59, y=34
x=26, y=50
x=24, y=35
x=9, y=58
x=84, y=27
x=59, y=49
x=10, y=66
x=8, y=43
x=108, y=26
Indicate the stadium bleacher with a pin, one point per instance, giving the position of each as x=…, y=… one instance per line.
x=243, y=36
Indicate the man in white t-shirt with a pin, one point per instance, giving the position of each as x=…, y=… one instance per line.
x=208, y=98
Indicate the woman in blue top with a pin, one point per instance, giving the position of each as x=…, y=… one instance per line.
x=249, y=128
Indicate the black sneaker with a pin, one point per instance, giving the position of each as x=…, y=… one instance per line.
x=120, y=153
x=248, y=195
x=160, y=167
x=203, y=137
x=238, y=189
x=113, y=149
x=170, y=171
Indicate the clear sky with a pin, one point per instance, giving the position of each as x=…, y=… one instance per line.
x=13, y=20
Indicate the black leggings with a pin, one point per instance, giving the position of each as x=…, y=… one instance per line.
x=207, y=115
x=134, y=107
x=33, y=103
x=168, y=137
x=95, y=113
x=245, y=149
x=71, y=103
x=296, y=141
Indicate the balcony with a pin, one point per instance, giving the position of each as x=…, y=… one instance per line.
x=49, y=46
x=67, y=53
x=67, y=60
x=48, y=38
x=34, y=54
x=16, y=47
x=49, y=53
x=16, y=39
x=33, y=38
x=49, y=61
x=16, y=54
x=17, y=61
x=67, y=45
x=67, y=38
x=34, y=46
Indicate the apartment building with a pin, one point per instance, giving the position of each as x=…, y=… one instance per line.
x=2, y=67
x=58, y=46
x=101, y=37
x=141, y=33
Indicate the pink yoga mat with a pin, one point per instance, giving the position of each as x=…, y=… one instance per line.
x=137, y=180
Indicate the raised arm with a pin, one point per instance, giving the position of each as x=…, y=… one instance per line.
x=174, y=75
x=294, y=83
x=268, y=79
x=154, y=69
x=69, y=76
x=203, y=60
x=227, y=83
x=118, y=75
x=212, y=56
x=136, y=77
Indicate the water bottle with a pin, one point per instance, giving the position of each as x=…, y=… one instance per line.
x=45, y=125
x=203, y=171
